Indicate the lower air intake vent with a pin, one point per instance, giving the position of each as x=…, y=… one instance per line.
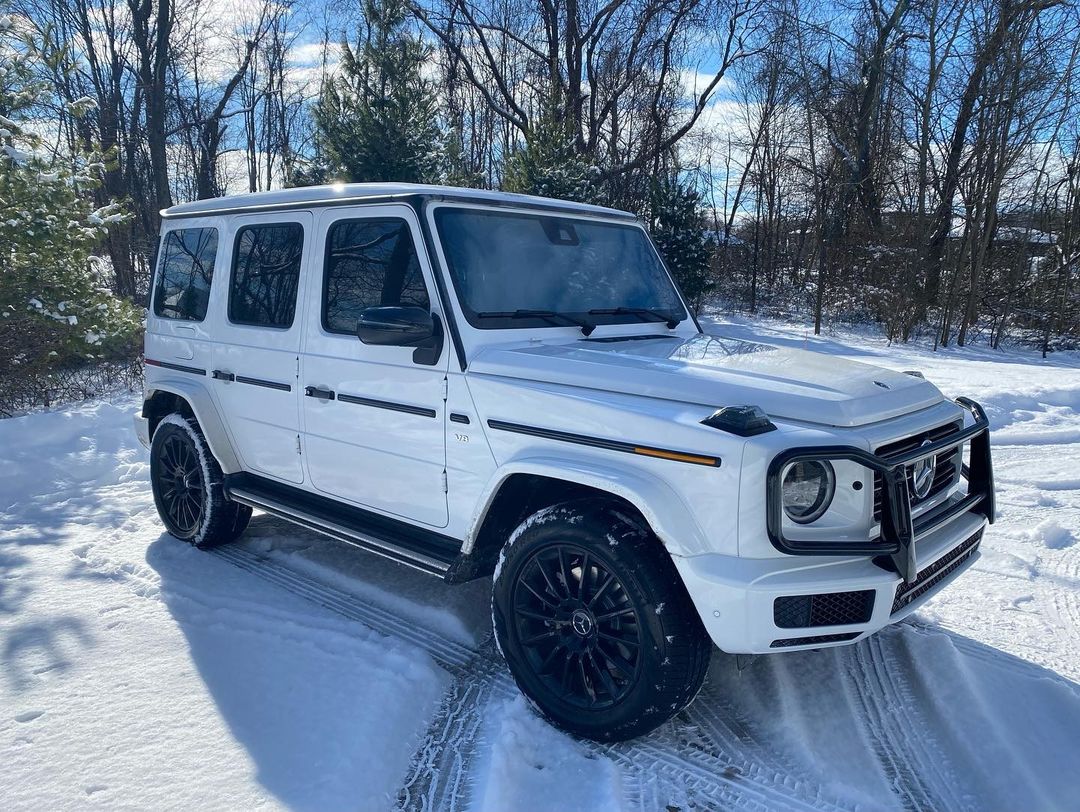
x=829, y=609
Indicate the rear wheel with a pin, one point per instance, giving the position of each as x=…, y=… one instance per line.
x=595, y=624
x=188, y=486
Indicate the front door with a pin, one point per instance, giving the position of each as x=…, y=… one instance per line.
x=256, y=359
x=373, y=416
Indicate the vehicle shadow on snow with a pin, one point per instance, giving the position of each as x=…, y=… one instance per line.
x=328, y=710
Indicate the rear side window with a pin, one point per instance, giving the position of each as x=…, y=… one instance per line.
x=185, y=273
x=266, y=270
x=369, y=263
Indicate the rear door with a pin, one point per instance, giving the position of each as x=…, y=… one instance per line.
x=380, y=441
x=177, y=334
x=256, y=358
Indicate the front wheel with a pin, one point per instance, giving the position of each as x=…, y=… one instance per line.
x=188, y=486
x=595, y=624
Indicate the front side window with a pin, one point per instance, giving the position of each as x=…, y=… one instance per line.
x=540, y=270
x=185, y=273
x=369, y=263
x=266, y=272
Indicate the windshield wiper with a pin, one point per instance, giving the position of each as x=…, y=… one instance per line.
x=648, y=314
x=550, y=315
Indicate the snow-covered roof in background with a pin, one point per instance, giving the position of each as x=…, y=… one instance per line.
x=358, y=192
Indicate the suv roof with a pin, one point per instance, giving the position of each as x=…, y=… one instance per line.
x=351, y=193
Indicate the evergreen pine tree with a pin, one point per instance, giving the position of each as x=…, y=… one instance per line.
x=377, y=118
x=676, y=227
x=549, y=166
x=55, y=304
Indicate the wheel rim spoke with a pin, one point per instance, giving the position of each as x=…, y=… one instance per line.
x=567, y=673
x=618, y=665
x=590, y=690
x=599, y=592
x=529, y=613
x=536, y=638
x=584, y=576
x=626, y=610
x=562, y=573
x=540, y=597
x=551, y=658
x=605, y=677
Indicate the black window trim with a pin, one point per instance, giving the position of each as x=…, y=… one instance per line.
x=161, y=265
x=441, y=206
x=237, y=231
x=374, y=218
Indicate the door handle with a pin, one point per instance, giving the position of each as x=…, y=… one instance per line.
x=219, y=375
x=319, y=392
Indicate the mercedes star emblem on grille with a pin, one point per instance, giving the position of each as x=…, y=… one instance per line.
x=922, y=474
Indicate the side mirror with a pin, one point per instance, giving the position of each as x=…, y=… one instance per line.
x=395, y=326
x=403, y=327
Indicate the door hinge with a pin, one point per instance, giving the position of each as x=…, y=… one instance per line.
x=445, y=388
x=297, y=443
x=445, y=482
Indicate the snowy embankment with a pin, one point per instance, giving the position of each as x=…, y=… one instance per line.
x=287, y=671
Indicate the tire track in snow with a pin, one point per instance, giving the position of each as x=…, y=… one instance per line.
x=916, y=768
x=695, y=761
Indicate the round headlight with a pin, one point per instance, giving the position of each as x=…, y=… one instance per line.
x=808, y=490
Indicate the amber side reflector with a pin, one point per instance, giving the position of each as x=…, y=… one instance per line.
x=677, y=456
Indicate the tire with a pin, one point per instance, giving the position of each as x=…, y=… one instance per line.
x=188, y=486
x=609, y=655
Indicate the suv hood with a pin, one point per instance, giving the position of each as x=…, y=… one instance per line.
x=713, y=371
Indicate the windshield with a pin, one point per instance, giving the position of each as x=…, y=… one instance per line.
x=541, y=270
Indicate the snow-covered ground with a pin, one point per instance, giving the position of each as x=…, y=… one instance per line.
x=288, y=671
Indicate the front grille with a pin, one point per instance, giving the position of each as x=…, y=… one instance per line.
x=828, y=609
x=809, y=641
x=935, y=573
x=947, y=463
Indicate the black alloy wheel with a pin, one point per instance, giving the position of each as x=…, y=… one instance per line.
x=579, y=628
x=180, y=483
x=189, y=487
x=594, y=622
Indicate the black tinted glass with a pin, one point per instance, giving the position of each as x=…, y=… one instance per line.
x=505, y=262
x=369, y=263
x=185, y=273
x=266, y=270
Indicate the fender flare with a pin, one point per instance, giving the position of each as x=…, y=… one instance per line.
x=667, y=514
x=202, y=405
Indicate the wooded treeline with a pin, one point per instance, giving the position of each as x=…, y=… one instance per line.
x=910, y=162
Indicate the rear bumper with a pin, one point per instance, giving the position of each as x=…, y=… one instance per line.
x=736, y=597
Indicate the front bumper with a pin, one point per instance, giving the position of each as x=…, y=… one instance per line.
x=820, y=593
x=736, y=597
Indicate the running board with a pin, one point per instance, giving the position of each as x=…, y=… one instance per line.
x=407, y=544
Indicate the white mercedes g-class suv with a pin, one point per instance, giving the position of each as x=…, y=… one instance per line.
x=481, y=384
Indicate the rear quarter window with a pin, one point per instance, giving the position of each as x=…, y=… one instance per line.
x=185, y=273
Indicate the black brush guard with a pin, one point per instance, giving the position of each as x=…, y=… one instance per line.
x=899, y=531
